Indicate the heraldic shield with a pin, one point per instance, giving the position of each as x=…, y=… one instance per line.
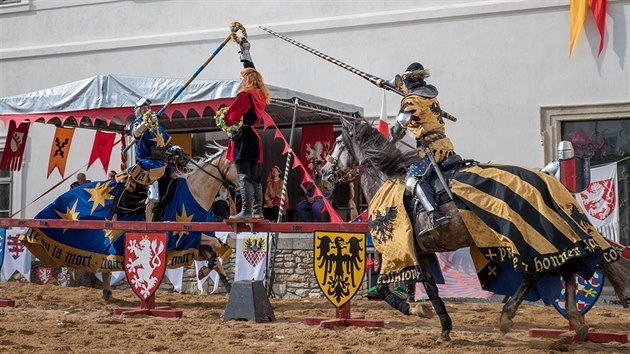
x=339, y=264
x=145, y=262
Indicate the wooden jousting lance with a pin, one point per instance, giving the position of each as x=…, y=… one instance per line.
x=234, y=28
x=384, y=84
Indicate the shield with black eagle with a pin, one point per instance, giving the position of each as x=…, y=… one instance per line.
x=339, y=264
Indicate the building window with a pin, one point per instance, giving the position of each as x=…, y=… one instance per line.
x=600, y=132
x=5, y=192
x=3, y=2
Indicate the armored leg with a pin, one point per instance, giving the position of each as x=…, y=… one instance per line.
x=246, y=189
x=153, y=198
x=422, y=191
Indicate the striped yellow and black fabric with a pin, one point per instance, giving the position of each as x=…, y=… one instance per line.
x=528, y=219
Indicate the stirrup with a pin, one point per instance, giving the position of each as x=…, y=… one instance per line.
x=435, y=222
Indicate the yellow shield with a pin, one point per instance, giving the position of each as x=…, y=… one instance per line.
x=339, y=264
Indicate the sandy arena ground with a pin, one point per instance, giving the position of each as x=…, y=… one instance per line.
x=60, y=320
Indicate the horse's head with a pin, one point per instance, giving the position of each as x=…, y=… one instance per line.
x=361, y=146
x=209, y=174
x=347, y=158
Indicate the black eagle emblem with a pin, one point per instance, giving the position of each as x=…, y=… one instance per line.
x=338, y=265
x=382, y=226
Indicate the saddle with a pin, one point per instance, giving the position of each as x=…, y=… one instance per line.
x=427, y=242
x=126, y=202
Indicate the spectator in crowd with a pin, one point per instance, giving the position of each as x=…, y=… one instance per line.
x=82, y=179
x=74, y=185
x=315, y=203
x=111, y=174
x=273, y=192
x=221, y=205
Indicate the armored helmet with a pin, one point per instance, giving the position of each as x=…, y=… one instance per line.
x=414, y=75
x=143, y=101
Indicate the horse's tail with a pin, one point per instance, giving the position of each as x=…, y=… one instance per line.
x=618, y=273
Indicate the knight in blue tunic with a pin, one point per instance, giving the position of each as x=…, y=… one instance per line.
x=156, y=158
x=151, y=144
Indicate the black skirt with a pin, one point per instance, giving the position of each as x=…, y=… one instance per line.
x=246, y=146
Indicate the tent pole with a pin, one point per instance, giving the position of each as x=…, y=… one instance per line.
x=272, y=272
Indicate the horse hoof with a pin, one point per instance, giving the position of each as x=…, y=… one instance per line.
x=505, y=325
x=107, y=294
x=444, y=337
x=581, y=331
x=422, y=310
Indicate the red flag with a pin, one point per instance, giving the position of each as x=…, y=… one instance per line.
x=598, y=8
x=59, y=150
x=14, y=147
x=383, y=127
x=317, y=142
x=102, y=149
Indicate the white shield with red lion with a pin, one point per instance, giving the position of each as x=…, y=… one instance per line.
x=145, y=262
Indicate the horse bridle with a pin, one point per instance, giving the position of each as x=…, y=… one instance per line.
x=224, y=181
x=352, y=173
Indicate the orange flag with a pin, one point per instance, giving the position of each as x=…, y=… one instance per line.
x=598, y=8
x=578, y=11
x=59, y=150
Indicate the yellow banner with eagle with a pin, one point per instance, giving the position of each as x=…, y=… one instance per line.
x=386, y=214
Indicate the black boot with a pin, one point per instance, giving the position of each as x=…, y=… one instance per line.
x=246, y=189
x=258, y=199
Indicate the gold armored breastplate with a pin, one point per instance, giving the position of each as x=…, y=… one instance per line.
x=425, y=122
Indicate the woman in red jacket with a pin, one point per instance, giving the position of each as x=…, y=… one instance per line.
x=245, y=148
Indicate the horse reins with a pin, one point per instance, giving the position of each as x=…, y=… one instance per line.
x=224, y=181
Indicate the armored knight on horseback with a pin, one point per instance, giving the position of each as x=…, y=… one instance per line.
x=156, y=157
x=420, y=113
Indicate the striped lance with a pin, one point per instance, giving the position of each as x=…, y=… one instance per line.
x=384, y=84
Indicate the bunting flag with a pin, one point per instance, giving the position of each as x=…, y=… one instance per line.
x=175, y=276
x=306, y=175
x=598, y=8
x=14, y=146
x=383, y=127
x=578, y=12
x=59, y=150
x=16, y=256
x=102, y=149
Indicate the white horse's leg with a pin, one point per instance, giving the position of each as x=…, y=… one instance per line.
x=107, y=288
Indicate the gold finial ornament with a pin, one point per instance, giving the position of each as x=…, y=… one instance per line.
x=234, y=28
